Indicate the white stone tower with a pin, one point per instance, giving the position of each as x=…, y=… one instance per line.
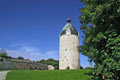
x=69, y=56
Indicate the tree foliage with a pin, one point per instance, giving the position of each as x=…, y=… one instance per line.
x=20, y=57
x=3, y=55
x=50, y=62
x=100, y=21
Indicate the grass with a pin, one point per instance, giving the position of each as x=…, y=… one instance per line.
x=49, y=75
x=2, y=70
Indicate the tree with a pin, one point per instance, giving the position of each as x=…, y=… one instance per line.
x=1, y=59
x=3, y=54
x=19, y=57
x=100, y=21
x=50, y=61
x=43, y=61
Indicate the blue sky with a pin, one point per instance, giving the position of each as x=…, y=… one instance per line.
x=31, y=28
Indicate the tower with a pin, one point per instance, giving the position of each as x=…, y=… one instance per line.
x=69, y=56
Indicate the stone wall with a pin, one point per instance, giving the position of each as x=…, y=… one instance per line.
x=18, y=64
x=7, y=65
x=39, y=66
x=22, y=66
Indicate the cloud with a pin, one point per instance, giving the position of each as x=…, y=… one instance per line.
x=23, y=43
x=32, y=53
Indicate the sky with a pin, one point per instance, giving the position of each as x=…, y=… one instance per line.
x=31, y=28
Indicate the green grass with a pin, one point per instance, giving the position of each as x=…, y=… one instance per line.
x=49, y=75
x=2, y=70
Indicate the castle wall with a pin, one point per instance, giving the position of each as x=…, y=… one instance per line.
x=7, y=65
x=69, y=57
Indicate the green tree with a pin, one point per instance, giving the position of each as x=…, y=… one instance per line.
x=100, y=21
x=1, y=59
x=3, y=54
x=19, y=57
x=50, y=62
x=43, y=61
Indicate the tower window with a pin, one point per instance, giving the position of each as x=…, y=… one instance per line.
x=65, y=49
x=68, y=32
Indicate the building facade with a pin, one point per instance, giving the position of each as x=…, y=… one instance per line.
x=69, y=56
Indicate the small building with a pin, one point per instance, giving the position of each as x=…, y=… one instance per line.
x=50, y=67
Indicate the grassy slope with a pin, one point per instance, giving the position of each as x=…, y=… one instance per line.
x=2, y=70
x=49, y=75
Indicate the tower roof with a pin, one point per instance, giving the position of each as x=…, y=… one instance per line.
x=69, y=26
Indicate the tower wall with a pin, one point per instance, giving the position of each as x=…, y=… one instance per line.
x=69, y=56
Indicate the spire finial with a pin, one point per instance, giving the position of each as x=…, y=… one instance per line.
x=68, y=20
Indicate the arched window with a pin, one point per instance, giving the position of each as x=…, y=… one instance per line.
x=68, y=32
x=68, y=67
x=65, y=49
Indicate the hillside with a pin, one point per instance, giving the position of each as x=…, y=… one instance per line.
x=49, y=75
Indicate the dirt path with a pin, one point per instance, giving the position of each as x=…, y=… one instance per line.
x=3, y=75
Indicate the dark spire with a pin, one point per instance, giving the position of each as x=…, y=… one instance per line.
x=68, y=20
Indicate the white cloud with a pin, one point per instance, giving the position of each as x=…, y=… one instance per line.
x=32, y=53
x=23, y=43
